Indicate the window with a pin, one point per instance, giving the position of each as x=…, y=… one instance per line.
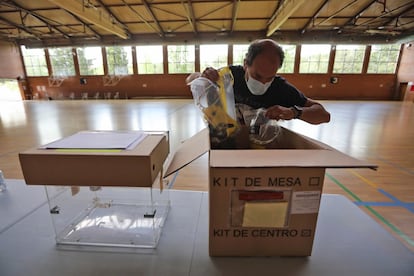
x=213, y=56
x=181, y=59
x=383, y=59
x=150, y=59
x=61, y=60
x=119, y=60
x=239, y=53
x=349, y=59
x=90, y=61
x=314, y=58
x=288, y=65
x=35, y=62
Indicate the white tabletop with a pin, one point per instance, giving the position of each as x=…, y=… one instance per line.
x=347, y=242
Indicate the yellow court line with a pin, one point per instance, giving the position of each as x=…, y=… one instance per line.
x=369, y=182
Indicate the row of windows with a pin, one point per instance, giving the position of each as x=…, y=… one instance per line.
x=348, y=59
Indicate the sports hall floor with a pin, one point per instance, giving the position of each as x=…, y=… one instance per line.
x=381, y=132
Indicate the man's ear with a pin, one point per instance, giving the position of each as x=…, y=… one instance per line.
x=246, y=75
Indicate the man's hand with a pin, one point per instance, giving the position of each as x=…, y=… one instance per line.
x=278, y=112
x=313, y=113
x=211, y=74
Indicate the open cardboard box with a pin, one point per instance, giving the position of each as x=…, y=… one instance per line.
x=264, y=202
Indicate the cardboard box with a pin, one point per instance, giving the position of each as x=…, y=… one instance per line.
x=264, y=202
x=106, y=198
x=137, y=167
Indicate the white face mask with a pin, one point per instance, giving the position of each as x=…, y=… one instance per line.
x=256, y=87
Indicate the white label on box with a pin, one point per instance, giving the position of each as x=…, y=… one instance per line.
x=305, y=202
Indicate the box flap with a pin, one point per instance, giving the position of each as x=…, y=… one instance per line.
x=291, y=149
x=188, y=151
x=327, y=158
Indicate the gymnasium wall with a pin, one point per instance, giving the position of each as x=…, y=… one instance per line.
x=317, y=86
x=11, y=64
x=405, y=75
x=406, y=72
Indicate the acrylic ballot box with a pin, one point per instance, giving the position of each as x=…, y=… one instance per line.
x=110, y=198
x=121, y=217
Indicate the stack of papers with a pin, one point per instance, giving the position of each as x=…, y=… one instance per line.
x=99, y=140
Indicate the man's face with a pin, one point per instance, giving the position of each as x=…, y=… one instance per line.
x=264, y=67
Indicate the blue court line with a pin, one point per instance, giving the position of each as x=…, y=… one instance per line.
x=394, y=228
x=394, y=203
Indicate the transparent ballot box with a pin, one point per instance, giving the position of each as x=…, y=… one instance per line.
x=108, y=217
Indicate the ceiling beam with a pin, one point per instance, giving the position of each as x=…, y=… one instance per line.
x=288, y=37
x=368, y=22
x=20, y=27
x=142, y=18
x=274, y=13
x=93, y=15
x=347, y=6
x=96, y=35
x=282, y=14
x=222, y=29
x=35, y=15
x=189, y=11
x=106, y=8
x=359, y=13
x=149, y=10
x=315, y=15
x=234, y=14
x=397, y=16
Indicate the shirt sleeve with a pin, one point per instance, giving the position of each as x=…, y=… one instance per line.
x=293, y=95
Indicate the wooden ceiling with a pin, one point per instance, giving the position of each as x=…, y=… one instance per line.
x=39, y=23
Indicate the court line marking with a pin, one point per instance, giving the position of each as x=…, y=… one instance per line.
x=394, y=228
x=366, y=180
x=395, y=202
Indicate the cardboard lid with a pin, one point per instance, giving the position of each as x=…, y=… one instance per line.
x=144, y=148
x=320, y=155
x=188, y=151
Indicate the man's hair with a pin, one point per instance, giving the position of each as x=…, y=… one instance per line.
x=260, y=45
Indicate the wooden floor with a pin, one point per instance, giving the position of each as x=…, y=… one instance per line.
x=379, y=132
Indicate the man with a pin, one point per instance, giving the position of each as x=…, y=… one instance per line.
x=256, y=85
